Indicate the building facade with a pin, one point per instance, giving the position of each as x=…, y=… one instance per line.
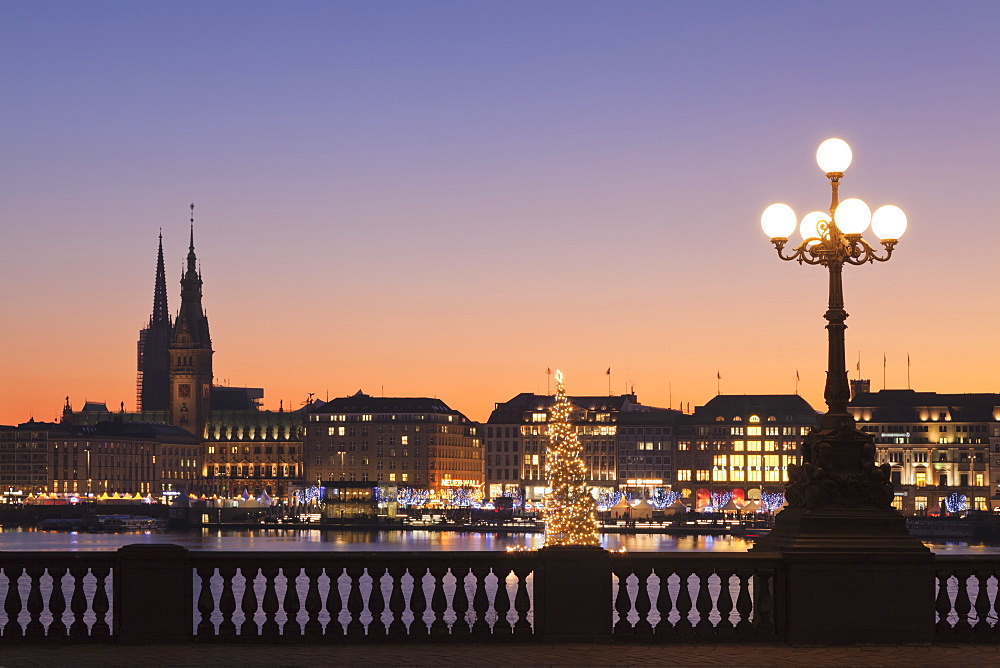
x=612, y=432
x=737, y=443
x=191, y=353
x=110, y=457
x=942, y=448
x=407, y=442
x=153, y=358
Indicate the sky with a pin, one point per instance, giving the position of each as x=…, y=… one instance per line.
x=449, y=198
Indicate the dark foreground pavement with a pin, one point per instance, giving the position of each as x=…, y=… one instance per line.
x=98, y=656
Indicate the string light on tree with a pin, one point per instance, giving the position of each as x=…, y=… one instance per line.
x=570, y=510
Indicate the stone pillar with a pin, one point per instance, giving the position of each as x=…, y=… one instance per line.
x=153, y=594
x=851, y=577
x=572, y=594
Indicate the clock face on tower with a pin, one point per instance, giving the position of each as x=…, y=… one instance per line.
x=184, y=391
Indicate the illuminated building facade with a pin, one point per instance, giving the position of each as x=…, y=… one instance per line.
x=247, y=448
x=736, y=443
x=407, y=442
x=937, y=445
x=105, y=458
x=611, y=429
x=25, y=459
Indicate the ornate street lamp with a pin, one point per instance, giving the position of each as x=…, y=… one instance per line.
x=837, y=497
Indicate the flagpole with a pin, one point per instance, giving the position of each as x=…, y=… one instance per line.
x=609, y=381
x=548, y=380
x=908, y=371
x=883, y=371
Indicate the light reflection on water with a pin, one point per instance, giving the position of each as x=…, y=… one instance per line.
x=345, y=541
x=340, y=540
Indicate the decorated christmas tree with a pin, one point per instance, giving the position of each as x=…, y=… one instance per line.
x=570, y=510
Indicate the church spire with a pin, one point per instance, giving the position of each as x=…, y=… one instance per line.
x=192, y=259
x=161, y=313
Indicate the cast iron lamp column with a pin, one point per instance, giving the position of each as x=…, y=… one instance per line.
x=838, y=495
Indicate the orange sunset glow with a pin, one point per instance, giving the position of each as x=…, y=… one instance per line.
x=447, y=208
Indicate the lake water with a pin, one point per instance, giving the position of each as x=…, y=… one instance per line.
x=344, y=541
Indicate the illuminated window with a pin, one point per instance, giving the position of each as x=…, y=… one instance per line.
x=738, y=446
x=719, y=460
x=684, y=445
x=921, y=478
x=703, y=474
x=720, y=419
x=539, y=417
x=897, y=502
x=754, y=418
x=753, y=431
x=684, y=474
x=753, y=446
x=720, y=476
x=736, y=431
x=769, y=446
x=980, y=480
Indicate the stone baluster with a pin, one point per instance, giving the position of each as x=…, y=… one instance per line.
x=664, y=605
x=334, y=603
x=623, y=603
x=249, y=603
x=480, y=603
x=397, y=604
x=100, y=628
x=291, y=603
x=501, y=603
x=684, y=628
x=12, y=604
x=78, y=603
x=35, y=628
x=642, y=602
x=57, y=605
x=227, y=603
x=376, y=604
x=418, y=602
x=314, y=603
x=460, y=603
x=725, y=628
x=270, y=630
x=942, y=605
x=704, y=604
x=522, y=603
x=744, y=603
x=963, y=606
x=982, y=627
x=355, y=603
x=206, y=604
x=439, y=604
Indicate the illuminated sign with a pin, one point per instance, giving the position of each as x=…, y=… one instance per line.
x=904, y=434
x=644, y=481
x=461, y=483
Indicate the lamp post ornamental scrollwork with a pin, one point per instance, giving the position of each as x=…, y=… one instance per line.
x=838, y=461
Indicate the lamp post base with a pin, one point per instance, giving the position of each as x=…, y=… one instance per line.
x=851, y=576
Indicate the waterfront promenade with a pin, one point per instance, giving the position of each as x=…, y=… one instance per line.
x=499, y=655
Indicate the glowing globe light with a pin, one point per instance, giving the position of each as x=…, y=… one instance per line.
x=810, y=225
x=778, y=221
x=834, y=156
x=852, y=216
x=888, y=222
